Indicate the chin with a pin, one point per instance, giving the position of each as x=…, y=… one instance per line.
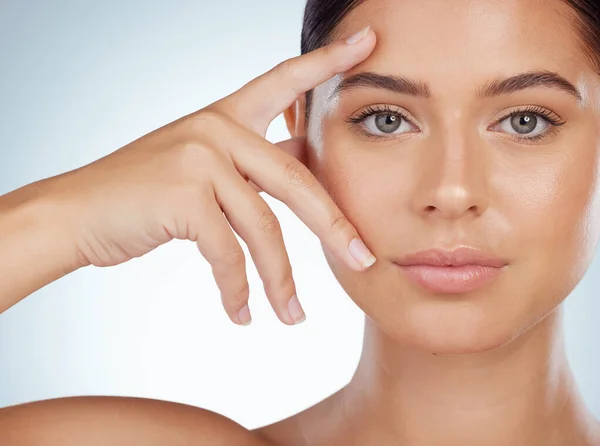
x=458, y=327
x=465, y=329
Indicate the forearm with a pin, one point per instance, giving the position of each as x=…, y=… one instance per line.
x=37, y=245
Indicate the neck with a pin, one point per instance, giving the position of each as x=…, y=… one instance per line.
x=520, y=393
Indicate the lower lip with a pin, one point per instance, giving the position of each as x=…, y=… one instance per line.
x=451, y=279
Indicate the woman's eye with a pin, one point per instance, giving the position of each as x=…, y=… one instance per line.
x=526, y=125
x=386, y=124
x=531, y=125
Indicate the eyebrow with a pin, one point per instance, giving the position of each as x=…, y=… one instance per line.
x=496, y=87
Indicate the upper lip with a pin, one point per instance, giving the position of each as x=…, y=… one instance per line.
x=457, y=257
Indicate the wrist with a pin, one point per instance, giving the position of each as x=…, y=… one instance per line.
x=37, y=241
x=53, y=217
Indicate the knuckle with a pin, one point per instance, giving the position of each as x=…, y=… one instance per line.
x=194, y=157
x=339, y=222
x=175, y=165
x=189, y=151
x=279, y=287
x=201, y=196
x=298, y=175
x=208, y=117
x=268, y=222
x=288, y=70
x=230, y=258
x=212, y=120
x=239, y=298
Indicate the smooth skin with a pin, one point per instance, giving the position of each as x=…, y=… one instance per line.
x=190, y=180
x=485, y=368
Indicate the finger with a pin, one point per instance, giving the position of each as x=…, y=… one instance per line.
x=255, y=222
x=264, y=98
x=219, y=246
x=295, y=147
x=288, y=180
x=254, y=186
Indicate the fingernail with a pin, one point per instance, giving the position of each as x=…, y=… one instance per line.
x=355, y=38
x=361, y=253
x=244, y=316
x=295, y=309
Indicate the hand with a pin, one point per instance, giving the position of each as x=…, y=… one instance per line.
x=196, y=176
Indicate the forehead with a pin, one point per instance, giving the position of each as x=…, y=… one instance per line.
x=486, y=37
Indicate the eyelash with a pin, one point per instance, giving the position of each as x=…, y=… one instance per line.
x=549, y=116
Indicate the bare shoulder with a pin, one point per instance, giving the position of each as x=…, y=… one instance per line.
x=119, y=421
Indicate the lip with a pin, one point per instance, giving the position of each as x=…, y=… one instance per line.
x=451, y=272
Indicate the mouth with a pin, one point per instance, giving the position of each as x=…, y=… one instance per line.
x=452, y=272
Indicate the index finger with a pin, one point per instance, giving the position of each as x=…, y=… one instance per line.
x=267, y=96
x=287, y=179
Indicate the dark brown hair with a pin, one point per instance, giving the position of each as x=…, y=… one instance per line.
x=321, y=17
x=588, y=24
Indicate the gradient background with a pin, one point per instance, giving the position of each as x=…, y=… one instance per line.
x=79, y=79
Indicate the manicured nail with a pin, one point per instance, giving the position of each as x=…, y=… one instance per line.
x=361, y=253
x=355, y=38
x=244, y=316
x=295, y=309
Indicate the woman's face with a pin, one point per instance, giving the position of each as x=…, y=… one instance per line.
x=459, y=171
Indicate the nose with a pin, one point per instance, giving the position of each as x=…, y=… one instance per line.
x=454, y=176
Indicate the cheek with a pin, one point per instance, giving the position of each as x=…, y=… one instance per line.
x=373, y=203
x=348, y=176
x=551, y=207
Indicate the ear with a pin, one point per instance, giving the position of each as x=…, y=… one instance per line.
x=295, y=117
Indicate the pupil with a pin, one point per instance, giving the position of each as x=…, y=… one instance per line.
x=524, y=123
x=387, y=123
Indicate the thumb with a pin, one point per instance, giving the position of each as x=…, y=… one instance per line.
x=295, y=147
